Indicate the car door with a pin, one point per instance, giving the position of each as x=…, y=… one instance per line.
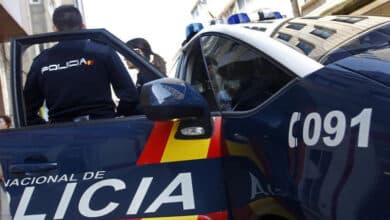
x=101, y=169
x=293, y=150
x=246, y=81
x=239, y=82
x=48, y=167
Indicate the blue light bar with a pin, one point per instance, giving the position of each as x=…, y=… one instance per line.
x=278, y=15
x=192, y=29
x=238, y=18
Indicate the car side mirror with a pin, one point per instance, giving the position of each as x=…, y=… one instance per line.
x=169, y=99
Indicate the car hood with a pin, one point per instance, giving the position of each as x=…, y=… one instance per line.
x=374, y=64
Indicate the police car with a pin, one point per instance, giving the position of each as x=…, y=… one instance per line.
x=323, y=38
x=249, y=129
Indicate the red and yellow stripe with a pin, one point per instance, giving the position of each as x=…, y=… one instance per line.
x=223, y=215
x=163, y=147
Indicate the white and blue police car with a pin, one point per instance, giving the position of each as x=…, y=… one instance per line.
x=249, y=129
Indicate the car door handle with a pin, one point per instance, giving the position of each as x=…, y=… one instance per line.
x=32, y=168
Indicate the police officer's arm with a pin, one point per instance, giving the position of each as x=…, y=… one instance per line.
x=33, y=96
x=122, y=84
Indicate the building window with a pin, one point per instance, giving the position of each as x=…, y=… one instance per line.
x=35, y=2
x=322, y=32
x=284, y=37
x=350, y=20
x=296, y=26
x=305, y=46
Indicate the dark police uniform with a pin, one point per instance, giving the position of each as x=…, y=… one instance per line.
x=74, y=78
x=143, y=77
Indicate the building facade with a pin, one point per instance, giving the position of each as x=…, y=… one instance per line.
x=339, y=7
x=15, y=16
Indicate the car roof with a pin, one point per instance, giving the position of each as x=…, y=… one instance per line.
x=339, y=30
x=295, y=61
x=268, y=27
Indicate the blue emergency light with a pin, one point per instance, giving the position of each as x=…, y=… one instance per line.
x=278, y=15
x=238, y=18
x=192, y=29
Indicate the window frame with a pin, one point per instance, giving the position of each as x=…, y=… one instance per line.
x=188, y=57
x=19, y=45
x=284, y=69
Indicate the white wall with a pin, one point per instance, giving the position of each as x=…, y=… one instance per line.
x=18, y=9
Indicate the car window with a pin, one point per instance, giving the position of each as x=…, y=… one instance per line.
x=175, y=68
x=241, y=78
x=195, y=73
x=375, y=39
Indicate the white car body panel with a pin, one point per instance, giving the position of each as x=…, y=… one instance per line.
x=296, y=62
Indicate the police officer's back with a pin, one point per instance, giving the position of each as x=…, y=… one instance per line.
x=74, y=77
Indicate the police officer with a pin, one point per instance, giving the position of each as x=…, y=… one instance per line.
x=142, y=47
x=74, y=78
